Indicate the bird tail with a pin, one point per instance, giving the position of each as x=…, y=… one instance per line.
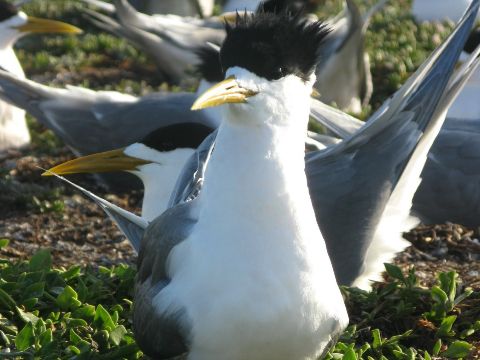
x=132, y=226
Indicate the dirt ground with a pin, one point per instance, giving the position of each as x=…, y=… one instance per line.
x=82, y=234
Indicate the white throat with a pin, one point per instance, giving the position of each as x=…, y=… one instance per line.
x=159, y=177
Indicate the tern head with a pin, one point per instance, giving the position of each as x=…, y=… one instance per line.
x=154, y=151
x=14, y=24
x=268, y=59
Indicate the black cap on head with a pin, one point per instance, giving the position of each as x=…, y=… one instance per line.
x=473, y=41
x=7, y=10
x=210, y=68
x=273, y=45
x=183, y=135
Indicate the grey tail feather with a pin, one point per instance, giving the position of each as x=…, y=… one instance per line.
x=132, y=226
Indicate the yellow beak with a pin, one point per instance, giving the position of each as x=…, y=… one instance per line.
x=225, y=92
x=36, y=25
x=108, y=161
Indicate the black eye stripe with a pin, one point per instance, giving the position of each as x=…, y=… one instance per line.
x=184, y=135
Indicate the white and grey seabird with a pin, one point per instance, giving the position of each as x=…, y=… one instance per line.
x=375, y=172
x=13, y=25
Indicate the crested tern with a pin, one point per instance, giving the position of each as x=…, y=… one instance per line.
x=15, y=24
x=247, y=269
x=362, y=187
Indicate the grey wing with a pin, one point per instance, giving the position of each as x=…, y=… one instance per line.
x=350, y=183
x=161, y=335
x=450, y=188
x=190, y=180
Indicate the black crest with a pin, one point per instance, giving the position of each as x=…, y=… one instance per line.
x=273, y=45
x=7, y=10
x=184, y=135
x=210, y=68
x=473, y=41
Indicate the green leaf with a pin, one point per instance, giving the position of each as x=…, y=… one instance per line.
x=4, y=242
x=86, y=312
x=377, y=339
x=439, y=295
x=394, y=272
x=34, y=290
x=25, y=338
x=437, y=347
x=446, y=326
x=46, y=337
x=41, y=261
x=71, y=273
x=350, y=354
x=26, y=316
x=458, y=349
x=68, y=299
x=117, y=335
x=103, y=318
x=7, y=300
x=74, y=338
